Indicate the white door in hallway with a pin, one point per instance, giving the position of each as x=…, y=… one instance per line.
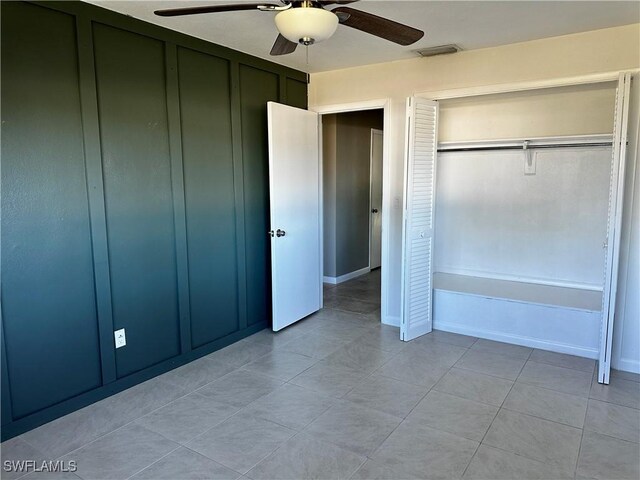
x=375, y=223
x=419, y=208
x=295, y=196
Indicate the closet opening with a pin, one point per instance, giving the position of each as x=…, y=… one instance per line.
x=528, y=202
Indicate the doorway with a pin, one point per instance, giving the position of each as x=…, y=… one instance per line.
x=352, y=145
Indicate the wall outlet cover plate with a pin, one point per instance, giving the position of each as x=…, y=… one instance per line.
x=120, y=337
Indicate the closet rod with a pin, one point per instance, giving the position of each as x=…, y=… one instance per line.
x=529, y=147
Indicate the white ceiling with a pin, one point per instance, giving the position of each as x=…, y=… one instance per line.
x=469, y=24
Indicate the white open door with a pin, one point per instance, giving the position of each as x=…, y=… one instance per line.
x=419, y=199
x=375, y=200
x=294, y=182
x=614, y=227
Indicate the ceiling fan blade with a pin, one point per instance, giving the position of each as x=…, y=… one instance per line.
x=282, y=46
x=378, y=26
x=177, y=12
x=336, y=2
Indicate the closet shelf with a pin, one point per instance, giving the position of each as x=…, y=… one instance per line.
x=550, y=295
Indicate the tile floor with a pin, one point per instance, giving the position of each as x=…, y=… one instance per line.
x=339, y=396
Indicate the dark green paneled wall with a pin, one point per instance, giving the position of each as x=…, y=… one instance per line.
x=297, y=93
x=207, y=151
x=134, y=195
x=134, y=137
x=47, y=267
x=257, y=87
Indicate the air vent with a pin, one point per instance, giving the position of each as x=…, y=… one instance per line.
x=439, y=50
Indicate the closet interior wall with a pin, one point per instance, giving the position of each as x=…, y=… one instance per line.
x=511, y=243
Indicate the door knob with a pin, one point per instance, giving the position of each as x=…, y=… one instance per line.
x=374, y=210
x=280, y=233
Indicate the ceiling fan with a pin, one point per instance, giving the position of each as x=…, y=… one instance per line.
x=307, y=22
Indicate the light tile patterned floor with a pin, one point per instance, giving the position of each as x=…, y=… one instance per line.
x=338, y=395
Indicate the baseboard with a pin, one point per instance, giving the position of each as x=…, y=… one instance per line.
x=24, y=424
x=346, y=276
x=628, y=365
x=518, y=340
x=391, y=320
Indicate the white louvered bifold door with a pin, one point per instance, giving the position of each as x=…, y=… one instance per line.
x=614, y=226
x=419, y=198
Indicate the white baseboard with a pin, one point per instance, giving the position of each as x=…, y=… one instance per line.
x=628, y=365
x=391, y=320
x=346, y=276
x=517, y=339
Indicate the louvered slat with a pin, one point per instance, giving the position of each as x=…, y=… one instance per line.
x=422, y=120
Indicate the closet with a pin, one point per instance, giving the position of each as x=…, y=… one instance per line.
x=523, y=251
x=526, y=226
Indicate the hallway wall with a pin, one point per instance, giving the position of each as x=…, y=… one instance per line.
x=346, y=171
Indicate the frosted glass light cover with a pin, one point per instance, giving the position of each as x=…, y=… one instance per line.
x=298, y=23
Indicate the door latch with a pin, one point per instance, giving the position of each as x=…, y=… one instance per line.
x=270, y=233
x=280, y=233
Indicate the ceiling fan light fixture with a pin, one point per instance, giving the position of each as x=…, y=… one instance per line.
x=306, y=25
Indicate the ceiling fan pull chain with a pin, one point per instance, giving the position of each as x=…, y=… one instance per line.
x=307, y=48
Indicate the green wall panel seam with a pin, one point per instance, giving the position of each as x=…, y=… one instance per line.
x=238, y=181
x=282, y=84
x=95, y=188
x=178, y=192
x=4, y=383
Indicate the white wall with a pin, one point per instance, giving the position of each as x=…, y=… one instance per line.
x=541, y=113
x=587, y=53
x=493, y=220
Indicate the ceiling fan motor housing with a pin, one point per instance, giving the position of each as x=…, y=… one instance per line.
x=306, y=25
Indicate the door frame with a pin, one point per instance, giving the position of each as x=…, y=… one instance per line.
x=383, y=104
x=374, y=131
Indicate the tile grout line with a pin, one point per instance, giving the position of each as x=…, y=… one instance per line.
x=228, y=418
x=612, y=437
x=495, y=416
x=540, y=418
x=156, y=461
x=152, y=411
x=121, y=426
x=411, y=410
x=584, y=424
x=562, y=366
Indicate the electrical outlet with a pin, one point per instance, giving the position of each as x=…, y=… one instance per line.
x=121, y=339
